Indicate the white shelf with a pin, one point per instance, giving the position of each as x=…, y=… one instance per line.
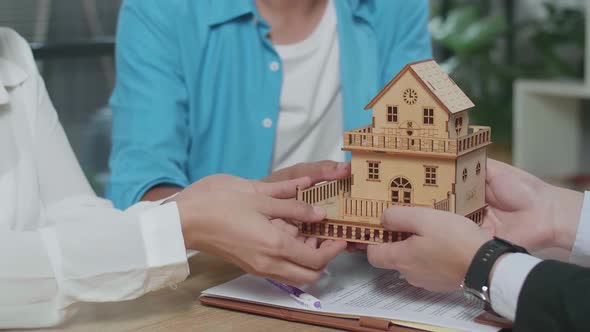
x=547, y=132
x=570, y=89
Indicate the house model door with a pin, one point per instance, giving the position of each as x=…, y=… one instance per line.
x=401, y=190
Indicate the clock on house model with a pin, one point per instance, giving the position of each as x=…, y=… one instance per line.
x=418, y=151
x=410, y=96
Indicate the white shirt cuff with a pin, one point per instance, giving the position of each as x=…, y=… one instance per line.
x=509, y=276
x=581, y=249
x=164, y=244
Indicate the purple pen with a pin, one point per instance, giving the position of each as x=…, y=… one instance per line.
x=298, y=295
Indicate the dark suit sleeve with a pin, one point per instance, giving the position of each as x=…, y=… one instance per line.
x=555, y=297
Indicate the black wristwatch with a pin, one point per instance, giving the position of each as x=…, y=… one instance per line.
x=476, y=286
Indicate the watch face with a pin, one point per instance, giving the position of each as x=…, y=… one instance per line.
x=474, y=297
x=410, y=96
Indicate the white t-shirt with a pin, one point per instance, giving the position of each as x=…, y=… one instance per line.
x=310, y=123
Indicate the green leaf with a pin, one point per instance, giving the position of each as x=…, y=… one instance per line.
x=480, y=35
x=465, y=32
x=457, y=20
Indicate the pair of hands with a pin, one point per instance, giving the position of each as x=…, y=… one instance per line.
x=251, y=223
x=243, y=221
x=521, y=209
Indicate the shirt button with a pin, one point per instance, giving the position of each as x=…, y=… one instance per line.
x=274, y=66
x=267, y=123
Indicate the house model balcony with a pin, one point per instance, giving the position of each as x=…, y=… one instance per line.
x=419, y=151
x=365, y=139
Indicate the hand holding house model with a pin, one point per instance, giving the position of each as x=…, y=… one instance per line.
x=419, y=151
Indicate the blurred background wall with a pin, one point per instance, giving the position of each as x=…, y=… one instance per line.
x=73, y=41
x=522, y=63
x=486, y=45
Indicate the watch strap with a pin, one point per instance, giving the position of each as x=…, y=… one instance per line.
x=478, y=274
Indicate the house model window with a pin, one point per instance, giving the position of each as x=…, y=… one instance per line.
x=430, y=175
x=391, y=113
x=478, y=168
x=401, y=190
x=428, y=116
x=373, y=171
x=458, y=125
x=464, y=174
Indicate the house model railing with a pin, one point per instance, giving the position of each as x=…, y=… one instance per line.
x=324, y=191
x=351, y=208
x=370, y=210
x=364, y=138
x=357, y=233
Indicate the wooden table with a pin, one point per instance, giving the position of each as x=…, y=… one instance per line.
x=179, y=309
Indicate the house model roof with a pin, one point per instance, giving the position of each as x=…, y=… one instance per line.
x=437, y=82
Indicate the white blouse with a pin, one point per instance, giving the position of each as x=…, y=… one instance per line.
x=59, y=243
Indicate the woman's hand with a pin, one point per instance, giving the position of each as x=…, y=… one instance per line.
x=529, y=212
x=240, y=226
x=438, y=255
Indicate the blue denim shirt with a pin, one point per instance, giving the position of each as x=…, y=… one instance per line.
x=196, y=89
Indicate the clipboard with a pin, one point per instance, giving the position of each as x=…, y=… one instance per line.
x=360, y=324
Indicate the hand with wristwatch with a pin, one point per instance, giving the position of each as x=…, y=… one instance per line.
x=476, y=285
x=449, y=252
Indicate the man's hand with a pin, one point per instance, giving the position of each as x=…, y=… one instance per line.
x=325, y=170
x=229, y=183
x=527, y=211
x=240, y=220
x=437, y=256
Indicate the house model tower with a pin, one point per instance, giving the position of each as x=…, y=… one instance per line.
x=419, y=150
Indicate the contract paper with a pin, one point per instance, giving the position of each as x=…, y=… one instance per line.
x=352, y=287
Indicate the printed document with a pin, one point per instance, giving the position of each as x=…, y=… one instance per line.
x=352, y=287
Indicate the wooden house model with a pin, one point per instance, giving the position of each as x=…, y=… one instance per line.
x=419, y=150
